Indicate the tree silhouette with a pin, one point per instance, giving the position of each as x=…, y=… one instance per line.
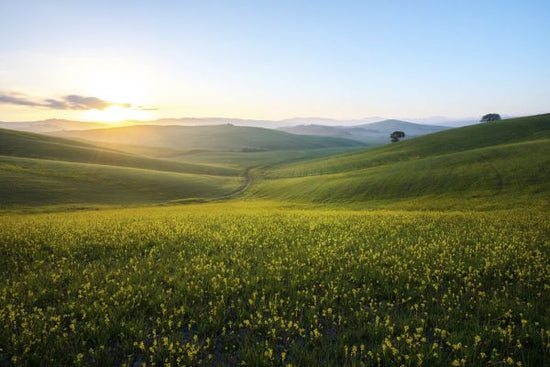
x=396, y=135
x=490, y=117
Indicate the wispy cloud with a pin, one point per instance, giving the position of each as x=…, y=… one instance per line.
x=70, y=102
x=17, y=99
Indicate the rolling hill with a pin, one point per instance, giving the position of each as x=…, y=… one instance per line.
x=29, y=145
x=213, y=138
x=39, y=170
x=376, y=133
x=39, y=182
x=245, y=160
x=492, y=163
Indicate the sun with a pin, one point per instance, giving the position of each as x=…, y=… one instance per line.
x=115, y=114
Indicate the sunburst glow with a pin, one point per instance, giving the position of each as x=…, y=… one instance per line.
x=115, y=114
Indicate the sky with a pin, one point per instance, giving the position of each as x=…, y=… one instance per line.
x=112, y=60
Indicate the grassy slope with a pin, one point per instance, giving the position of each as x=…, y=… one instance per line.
x=32, y=182
x=217, y=138
x=451, y=141
x=493, y=164
x=29, y=145
x=151, y=152
x=505, y=162
x=38, y=170
x=254, y=159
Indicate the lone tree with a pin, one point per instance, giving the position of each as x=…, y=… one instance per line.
x=396, y=135
x=490, y=117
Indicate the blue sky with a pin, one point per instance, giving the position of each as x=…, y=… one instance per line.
x=274, y=59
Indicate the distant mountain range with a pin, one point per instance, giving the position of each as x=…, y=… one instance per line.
x=225, y=137
x=60, y=124
x=44, y=126
x=375, y=133
x=366, y=130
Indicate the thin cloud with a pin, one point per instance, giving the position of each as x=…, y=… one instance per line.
x=17, y=99
x=70, y=102
x=76, y=102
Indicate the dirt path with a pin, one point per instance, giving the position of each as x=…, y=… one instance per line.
x=240, y=190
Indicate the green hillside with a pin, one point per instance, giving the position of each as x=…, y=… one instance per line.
x=254, y=159
x=39, y=182
x=39, y=170
x=29, y=145
x=214, y=138
x=450, y=141
x=491, y=163
x=42, y=170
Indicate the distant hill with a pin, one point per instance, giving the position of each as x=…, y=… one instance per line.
x=51, y=125
x=388, y=126
x=213, y=138
x=375, y=133
x=496, y=164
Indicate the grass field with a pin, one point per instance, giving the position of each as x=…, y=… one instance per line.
x=214, y=138
x=39, y=170
x=261, y=284
x=438, y=144
x=36, y=182
x=29, y=145
x=256, y=159
x=432, y=251
x=497, y=174
x=499, y=165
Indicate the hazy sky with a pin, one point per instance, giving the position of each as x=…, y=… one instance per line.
x=273, y=59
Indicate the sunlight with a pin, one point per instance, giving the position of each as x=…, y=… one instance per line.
x=115, y=114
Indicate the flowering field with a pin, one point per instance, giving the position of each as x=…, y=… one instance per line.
x=260, y=284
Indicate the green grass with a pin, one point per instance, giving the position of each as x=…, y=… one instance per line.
x=254, y=159
x=502, y=164
x=308, y=278
x=259, y=284
x=39, y=170
x=494, y=173
x=23, y=144
x=152, y=152
x=37, y=182
x=492, y=165
x=212, y=138
x=437, y=144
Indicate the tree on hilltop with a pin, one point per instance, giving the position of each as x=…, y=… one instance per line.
x=490, y=117
x=396, y=135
